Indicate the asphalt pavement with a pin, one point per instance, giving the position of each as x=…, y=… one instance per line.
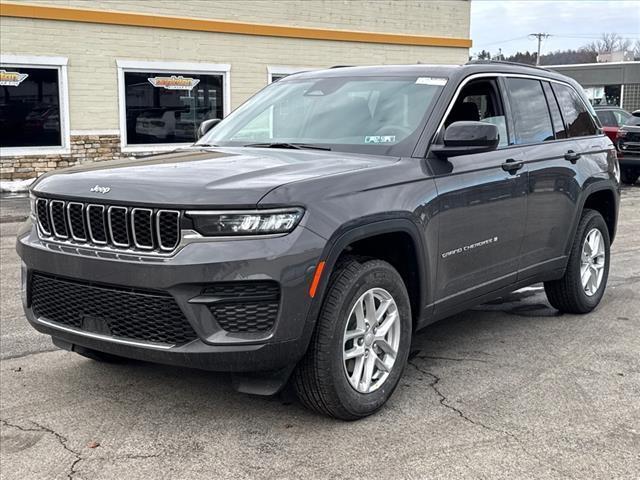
x=507, y=390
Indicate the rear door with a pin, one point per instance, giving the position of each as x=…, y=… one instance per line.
x=556, y=170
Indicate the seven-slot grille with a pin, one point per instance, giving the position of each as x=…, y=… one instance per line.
x=114, y=226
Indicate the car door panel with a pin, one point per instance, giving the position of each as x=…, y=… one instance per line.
x=481, y=222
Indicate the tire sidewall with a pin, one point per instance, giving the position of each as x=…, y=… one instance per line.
x=376, y=274
x=590, y=302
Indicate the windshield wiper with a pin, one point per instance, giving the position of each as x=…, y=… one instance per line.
x=205, y=145
x=296, y=146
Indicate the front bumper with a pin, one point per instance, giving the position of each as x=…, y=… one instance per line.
x=289, y=260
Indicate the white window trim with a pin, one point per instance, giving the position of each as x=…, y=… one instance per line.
x=169, y=67
x=284, y=70
x=60, y=63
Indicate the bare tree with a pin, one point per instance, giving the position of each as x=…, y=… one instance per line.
x=609, y=43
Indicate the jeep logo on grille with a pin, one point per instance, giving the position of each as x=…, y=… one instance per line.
x=99, y=189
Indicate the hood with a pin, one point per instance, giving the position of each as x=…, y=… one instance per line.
x=199, y=177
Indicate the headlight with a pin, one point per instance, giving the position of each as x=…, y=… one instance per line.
x=32, y=204
x=258, y=222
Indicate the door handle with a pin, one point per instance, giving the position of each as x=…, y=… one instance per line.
x=572, y=156
x=512, y=166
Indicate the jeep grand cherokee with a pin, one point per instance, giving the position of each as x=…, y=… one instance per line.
x=309, y=234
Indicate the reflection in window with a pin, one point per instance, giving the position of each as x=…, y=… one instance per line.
x=169, y=107
x=554, y=109
x=29, y=107
x=531, y=119
x=576, y=116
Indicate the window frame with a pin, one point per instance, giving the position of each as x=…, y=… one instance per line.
x=179, y=68
x=49, y=63
x=433, y=139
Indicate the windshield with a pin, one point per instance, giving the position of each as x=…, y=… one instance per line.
x=378, y=115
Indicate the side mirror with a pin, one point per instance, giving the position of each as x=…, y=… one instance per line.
x=206, y=126
x=465, y=138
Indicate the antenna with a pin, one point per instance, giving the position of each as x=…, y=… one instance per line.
x=540, y=37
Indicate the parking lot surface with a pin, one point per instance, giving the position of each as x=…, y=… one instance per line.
x=509, y=389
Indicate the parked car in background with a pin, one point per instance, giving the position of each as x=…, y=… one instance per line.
x=628, y=145
x=612, y=118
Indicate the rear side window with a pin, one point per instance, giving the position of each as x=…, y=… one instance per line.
x=554, y=109
x=531, y=119
x=575, y=113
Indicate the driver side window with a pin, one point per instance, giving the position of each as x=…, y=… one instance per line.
x=479, y=101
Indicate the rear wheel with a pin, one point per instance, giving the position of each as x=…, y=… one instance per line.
x=629, y=176
x=582, y=286
x=361, y=343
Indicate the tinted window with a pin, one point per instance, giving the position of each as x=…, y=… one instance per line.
x=532, y=123
x=633, y=121
x=168, y=107
x=29, y=107
x=576, y=116
x=607, y=118
x=554, y=109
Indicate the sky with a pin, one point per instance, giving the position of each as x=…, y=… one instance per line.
x=572, y=23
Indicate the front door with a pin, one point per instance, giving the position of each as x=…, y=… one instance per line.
x=482, y=205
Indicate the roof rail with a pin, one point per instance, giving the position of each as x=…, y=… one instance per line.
x=504, y=62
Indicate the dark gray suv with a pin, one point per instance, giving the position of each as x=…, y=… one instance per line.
x=309, y=234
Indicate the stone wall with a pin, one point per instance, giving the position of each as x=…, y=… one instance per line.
x=84, y=149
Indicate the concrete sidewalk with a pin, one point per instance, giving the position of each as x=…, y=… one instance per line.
x=14, y=207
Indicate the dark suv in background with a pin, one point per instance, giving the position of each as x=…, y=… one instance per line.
x=313, y=231
x=628, y=144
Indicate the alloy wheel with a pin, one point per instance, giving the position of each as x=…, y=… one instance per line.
x=371, y=340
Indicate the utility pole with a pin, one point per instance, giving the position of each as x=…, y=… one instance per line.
x=540, y=37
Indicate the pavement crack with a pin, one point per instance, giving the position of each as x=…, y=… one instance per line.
x=61, y=439
x=452, y=359
x=443, y=398
x=443, y=401
x=28, y=354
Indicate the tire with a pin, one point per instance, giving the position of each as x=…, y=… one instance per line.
x=569, y=294
x=99, y=356
x=321, y=379
x=629, y=176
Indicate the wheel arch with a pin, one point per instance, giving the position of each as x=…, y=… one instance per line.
x=370, y=229
x=605, y=199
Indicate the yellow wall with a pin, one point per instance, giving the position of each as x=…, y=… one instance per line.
x=92, y=48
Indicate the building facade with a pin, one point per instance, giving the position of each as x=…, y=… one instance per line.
x=610, y=83
x=88, y=80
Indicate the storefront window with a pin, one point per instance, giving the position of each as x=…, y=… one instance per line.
x=30, y=107
x=167, y=107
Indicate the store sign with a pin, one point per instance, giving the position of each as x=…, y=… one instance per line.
x=11, y=79
x=174, y=82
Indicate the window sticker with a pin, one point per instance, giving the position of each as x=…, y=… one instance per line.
x=436, y=81
x=380, y=139
x=174, y=82
x=11, y=79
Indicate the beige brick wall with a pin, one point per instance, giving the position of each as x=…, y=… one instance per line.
x=92, y=49
x=446, y=18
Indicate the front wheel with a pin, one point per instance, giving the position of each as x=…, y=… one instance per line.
x=361, y=343
x=582, y=286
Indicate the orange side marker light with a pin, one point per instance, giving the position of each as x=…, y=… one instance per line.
x=316, y=279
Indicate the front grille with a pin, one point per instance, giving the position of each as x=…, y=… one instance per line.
x=240, y=307
x=115, y=226
x=132, y=314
